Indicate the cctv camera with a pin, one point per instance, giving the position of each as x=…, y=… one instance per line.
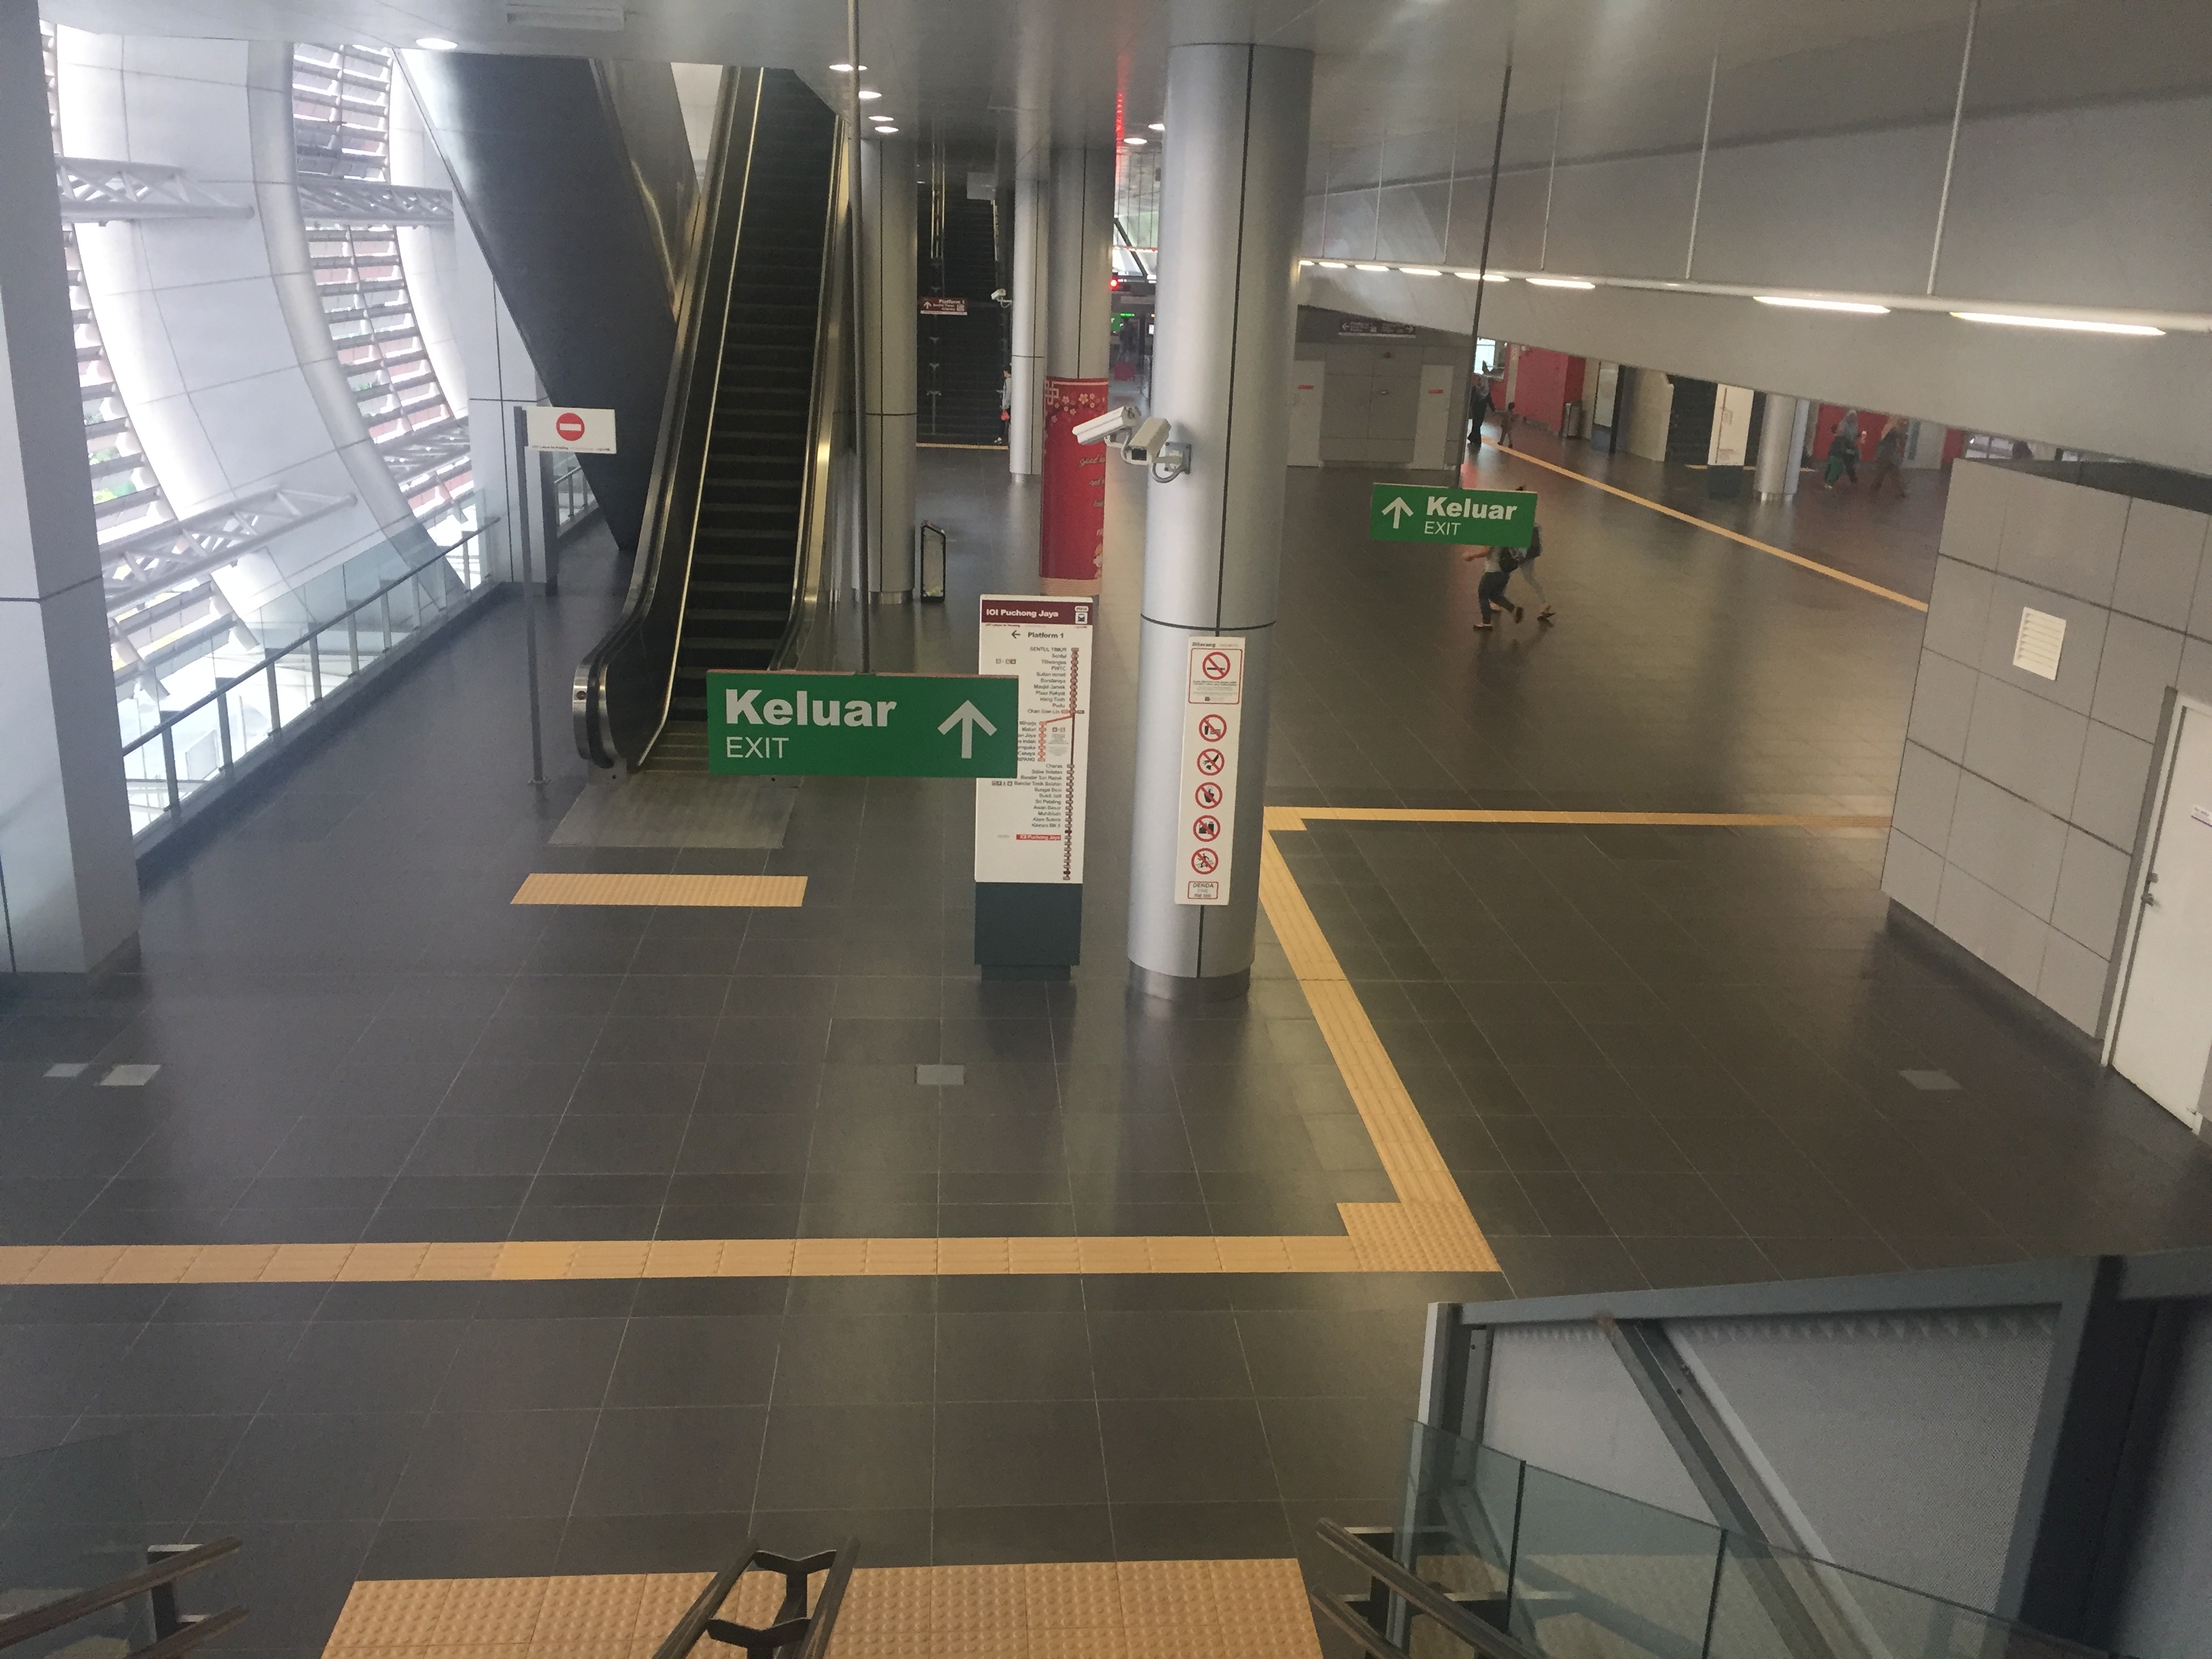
x=1104, y=429
x=1146, y=440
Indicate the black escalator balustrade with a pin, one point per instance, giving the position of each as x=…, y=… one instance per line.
x=723, y=556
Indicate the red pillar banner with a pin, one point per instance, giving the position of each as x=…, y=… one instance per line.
x=1073, y=530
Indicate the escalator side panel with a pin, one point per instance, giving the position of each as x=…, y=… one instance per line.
x=642, y=103
x=547, y=178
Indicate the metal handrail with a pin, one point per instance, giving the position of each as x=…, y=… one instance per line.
x=272, y=656
x=67, y=1609
x=792, y=1622
x=1422, y=1596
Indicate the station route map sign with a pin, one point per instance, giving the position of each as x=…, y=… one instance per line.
x=1028, y=827
x=862, y=726
x=1205, y=812
x=1483, y=518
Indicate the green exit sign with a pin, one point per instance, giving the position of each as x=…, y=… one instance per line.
x=862, y=725
x=1487, y=518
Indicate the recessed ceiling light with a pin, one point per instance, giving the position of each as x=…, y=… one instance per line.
x=1857, y=307
x=844, y=69
x=1420, y=271
x=1305, y=262
x=1135, y=138
x=1480, y=276
x=2083, y=324
x=1330, y=264
x=1560, y=281
x=886, y=132
x=438, y=43
x=1371, y=267
x=1158, y=126
x=866, y=92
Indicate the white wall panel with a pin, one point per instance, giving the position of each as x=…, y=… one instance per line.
x=1561, y=1399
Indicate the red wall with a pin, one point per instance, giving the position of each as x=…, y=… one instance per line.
x=1547, y=382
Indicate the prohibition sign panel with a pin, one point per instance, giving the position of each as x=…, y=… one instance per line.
x=1213, y=710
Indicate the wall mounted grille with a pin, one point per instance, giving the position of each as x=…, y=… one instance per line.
x=126, y=497
x=341, y=136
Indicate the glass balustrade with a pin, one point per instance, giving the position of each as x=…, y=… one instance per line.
x=1572, y=1571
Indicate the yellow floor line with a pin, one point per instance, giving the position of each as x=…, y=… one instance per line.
x=1691, y=519
x=751, y=892
x=1428, y=1229
x=1228, y=1609
x=1297, y=818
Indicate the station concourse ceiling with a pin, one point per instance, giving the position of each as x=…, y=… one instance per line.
x=1591, y=78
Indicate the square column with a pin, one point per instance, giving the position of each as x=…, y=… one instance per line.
x=889, y=286
x=1025, y=388
x=69, y=879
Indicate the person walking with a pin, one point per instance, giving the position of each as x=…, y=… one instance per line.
x=1843, y=453
x=1505, y=420
x=1478, y=412
x=1526, y=569
x=1889, y=458
x=1498, y=564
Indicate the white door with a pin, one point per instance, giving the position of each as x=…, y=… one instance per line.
x=1731, y=425
x=2164, y=1036
x=1308, y=383
x=1434, y=416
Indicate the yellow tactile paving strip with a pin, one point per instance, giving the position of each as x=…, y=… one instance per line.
x=1073, y=1610
x=725, y=892
x=1297, y=818
x=1697, y=523
x=1428, y=1229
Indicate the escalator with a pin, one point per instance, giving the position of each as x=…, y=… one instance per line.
x=730, y=559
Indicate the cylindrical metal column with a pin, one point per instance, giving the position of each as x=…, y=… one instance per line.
x=1804, y=419
x=1229, y=219
x=888, y=282
x=1777, y=462
x=1071, y=514
x=1025, y=394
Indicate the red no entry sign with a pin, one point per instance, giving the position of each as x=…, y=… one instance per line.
x=587, y=431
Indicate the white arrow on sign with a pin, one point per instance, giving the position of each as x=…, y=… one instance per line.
x=968, y=717
x=1398, y=513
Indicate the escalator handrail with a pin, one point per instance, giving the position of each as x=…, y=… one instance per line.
x=665, y=542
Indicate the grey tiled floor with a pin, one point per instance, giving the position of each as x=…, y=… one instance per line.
x=1652, y=1056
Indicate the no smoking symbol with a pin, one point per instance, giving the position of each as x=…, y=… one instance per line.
x=1208, y=794
x=1206, y=828
x=1212, y=728
x=1215, y=665
x=1204, y=862
x=1210, y=761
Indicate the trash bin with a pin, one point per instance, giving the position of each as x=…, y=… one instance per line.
x=929, y=562
x=1574, y=420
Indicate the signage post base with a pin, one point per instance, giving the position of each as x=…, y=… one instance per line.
x=1028, y=929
